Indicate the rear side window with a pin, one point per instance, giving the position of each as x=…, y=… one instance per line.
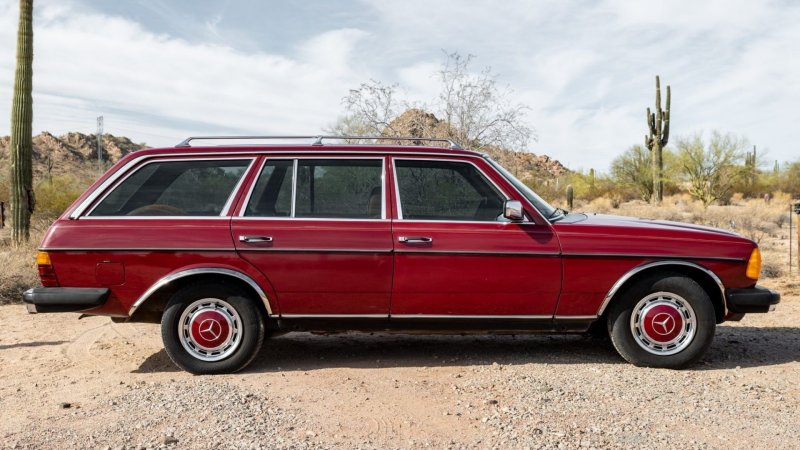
x=320, y=188
x=175, y=188
x=446, y=190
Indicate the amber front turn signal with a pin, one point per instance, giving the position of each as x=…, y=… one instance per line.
x=754, y=264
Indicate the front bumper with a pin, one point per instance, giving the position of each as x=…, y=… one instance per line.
x=58, y=299
x=752, y=300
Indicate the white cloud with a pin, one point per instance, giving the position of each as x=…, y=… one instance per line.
x=88, y=64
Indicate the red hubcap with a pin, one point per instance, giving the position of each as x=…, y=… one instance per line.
x=662, y=323
x=209, y=329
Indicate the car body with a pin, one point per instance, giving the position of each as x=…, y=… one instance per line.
x=224, y=245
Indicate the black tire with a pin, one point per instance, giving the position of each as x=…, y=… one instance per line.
x=673, y=322
x=212, y=328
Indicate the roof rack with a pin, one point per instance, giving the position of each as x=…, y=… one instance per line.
x=318, y=139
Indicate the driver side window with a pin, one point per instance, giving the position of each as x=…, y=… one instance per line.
x=446, y=190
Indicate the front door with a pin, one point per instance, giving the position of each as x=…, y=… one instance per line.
x=455, y=254
x=317, y=229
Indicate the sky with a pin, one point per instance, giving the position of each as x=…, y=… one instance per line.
x=160, y=71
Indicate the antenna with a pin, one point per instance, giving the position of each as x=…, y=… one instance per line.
x=100, y=143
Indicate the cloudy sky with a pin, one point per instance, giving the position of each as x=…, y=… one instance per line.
x=162, y=70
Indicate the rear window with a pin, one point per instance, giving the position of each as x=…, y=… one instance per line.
x=175, y=188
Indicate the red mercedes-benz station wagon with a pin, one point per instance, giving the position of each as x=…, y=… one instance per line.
x=226, y=245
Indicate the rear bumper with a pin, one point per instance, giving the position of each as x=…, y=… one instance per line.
x=58, y=299
x=753, y=300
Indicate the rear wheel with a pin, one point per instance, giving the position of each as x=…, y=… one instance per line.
x=666, y=321
x=210, y=328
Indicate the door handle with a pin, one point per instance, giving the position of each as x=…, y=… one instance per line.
x=415, y=240
x=255, y=239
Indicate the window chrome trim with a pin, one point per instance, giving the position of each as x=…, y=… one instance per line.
x=185, y=273
x=129, y=172
x=226, y=210
x=295, y=166
x=155, y=218
x=450, y=160
x=310, y=219
x=628, y=275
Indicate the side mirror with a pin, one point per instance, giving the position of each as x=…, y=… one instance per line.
x=512, y=210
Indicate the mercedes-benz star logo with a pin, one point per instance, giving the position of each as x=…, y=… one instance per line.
x=210, y=329
x=663, y=324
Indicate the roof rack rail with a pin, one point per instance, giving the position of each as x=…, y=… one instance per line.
x=318, y=139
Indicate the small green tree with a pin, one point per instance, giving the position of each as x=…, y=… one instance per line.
x=21, y=145
x=711, y=170
x=634, y=169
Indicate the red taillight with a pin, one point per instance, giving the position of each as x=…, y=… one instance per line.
x=46, y=272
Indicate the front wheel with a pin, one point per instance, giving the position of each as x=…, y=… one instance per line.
x=665, y=321
x=211, y=328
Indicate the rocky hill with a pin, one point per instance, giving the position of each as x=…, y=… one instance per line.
x=415, y=122
x=70, y=153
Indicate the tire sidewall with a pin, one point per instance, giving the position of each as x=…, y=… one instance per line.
x=252, y=324
x=619, y=320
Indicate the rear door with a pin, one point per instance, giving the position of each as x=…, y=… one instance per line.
x=455, y=254
x=317, y=228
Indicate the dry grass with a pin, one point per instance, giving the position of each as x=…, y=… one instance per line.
x=18, y=271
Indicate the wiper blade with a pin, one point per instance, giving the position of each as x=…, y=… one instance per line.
x=563, y=212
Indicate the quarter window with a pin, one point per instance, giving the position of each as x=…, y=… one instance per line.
x=175, y=188
x=446, y=190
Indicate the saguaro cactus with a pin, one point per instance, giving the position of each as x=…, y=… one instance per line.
x=751, y=168
x=656, y=140
x=570, y=196
x=21, y=136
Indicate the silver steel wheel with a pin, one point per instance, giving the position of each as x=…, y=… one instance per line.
x=663, y=323
x=210, y=329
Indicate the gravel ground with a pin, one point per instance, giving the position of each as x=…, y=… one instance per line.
x=68, y=383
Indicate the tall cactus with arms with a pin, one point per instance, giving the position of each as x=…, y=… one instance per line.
x=21, y=136
x=658, y=124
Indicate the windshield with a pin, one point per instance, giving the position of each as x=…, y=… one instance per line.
x=549, y=212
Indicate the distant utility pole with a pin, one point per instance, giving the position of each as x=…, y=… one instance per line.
x=100, y=142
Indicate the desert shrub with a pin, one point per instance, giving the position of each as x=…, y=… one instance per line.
x=737, y=198
x=770, y=269
x=782, y=219
x=600, y=205
x=782, y=198
x=19, y=265
x=53, y=196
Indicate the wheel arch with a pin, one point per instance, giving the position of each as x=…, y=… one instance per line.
x=707, y=279
x=153, y=301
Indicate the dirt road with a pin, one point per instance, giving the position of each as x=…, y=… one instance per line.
x=68, y=383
